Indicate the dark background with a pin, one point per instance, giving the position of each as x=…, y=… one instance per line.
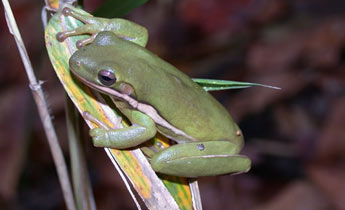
x=295, y=136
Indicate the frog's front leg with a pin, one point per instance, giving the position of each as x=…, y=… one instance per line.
x=196, y=159
x=92, y=25
x=143, y=128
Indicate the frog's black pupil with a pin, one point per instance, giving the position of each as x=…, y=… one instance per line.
x=106, y=77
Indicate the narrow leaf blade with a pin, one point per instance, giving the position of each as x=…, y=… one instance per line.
x=117, y=8
x=213, y=85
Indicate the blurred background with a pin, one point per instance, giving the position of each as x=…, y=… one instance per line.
x=295, y=136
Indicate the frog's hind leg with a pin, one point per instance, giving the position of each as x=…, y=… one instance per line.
x=201, y=159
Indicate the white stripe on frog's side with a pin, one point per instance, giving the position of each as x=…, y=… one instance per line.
x=145, y=108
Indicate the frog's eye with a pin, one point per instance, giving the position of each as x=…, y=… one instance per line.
x=106, y=77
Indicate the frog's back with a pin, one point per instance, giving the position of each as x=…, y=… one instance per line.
x=180, y=101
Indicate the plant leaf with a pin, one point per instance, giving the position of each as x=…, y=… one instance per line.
x=212, y=85
x=134, y=164
x=117, y=8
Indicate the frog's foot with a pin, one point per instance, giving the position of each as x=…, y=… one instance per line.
x=142, y=129
x=73, y=13
x=98, y=135
x=150, y=148
x=85, y=41
x=88, y=116
x=201, y=159
x=93, y=25
x=61, y=36
x=90, y=27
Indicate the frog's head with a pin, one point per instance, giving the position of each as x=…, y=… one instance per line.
x=96, y=66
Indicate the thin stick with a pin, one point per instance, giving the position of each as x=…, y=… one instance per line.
x=194, y=188
x=81, y=182
x=42, y=107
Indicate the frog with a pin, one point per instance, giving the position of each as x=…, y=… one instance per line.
x=156, y=97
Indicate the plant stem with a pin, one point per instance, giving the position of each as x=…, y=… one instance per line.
x=81, y=181
x=42, y=107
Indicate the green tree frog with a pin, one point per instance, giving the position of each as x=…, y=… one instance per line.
x=157, y=97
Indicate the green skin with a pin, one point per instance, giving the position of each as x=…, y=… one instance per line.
x=157, y=97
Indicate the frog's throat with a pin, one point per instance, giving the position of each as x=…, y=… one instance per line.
x=145, y=108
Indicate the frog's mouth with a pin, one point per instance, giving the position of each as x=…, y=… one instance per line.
x=83, y=80
x=87, y=82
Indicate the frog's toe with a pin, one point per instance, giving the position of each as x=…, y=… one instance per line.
x=66, y=11
x=97, y=132
x=83, y=42
x=99, y=137
x=60, y=36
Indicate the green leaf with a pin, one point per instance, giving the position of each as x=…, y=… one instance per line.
x=212, y=85
x=117, y=8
